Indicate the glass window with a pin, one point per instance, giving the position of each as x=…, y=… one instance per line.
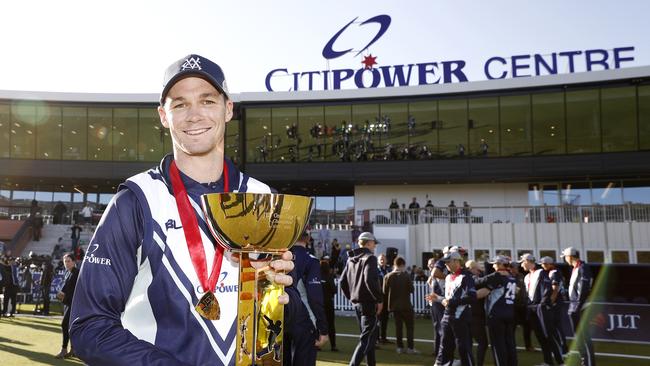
x=105, y=198
x=23, y=130
x=484, y=126
x=595, y=256
x=548, y=124
x=74, y=133
x=643, y=256
x=344, y=209
x=576, y=194
x=550, y=194
x=232, y=140
x=619, y=119
x=64, y=197
x=324, y=212
x=100, y=125
x=5, y=195
x=583, y=121
x=620, y=256
x=607, y=193
x=150, y=135
x=125, y=134
x=23, y=198
x=453, y=127
x=535, y=197
x=636, y=192
x=548, y=253
x=258, y=134
x=644, y=116
x=5, y=130
x=284, y=123
x=396, y=116
x=424, y=116
x=310, y=123
x=78, y=197
x=48, y=132
x=515, y=125
x=506, y=252
x=337, y=116
x=481, y=255
x=43, y=196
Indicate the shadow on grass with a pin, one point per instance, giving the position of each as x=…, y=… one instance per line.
x=37, y=357
x=28, y=323
x=13, y=341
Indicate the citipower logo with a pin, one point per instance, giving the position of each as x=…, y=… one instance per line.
x=367, y=76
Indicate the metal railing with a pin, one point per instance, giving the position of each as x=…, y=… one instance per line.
x=420, y=306
x=513, y=214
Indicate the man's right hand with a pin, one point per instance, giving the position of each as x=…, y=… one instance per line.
x=320, y=342
x=380, y=307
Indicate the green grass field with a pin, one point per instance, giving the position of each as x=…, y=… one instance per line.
x=34, y=341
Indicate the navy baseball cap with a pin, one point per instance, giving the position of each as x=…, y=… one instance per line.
x=194, y=65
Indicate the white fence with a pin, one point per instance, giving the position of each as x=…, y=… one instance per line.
x=420, y=306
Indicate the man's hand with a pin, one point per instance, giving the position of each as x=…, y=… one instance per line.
x=320, y=342
x=444, y=302
x=60, y=295
x=431, y=297
x=380, y=307
x=274, y=271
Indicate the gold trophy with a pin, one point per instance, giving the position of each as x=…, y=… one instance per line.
x=260, y=226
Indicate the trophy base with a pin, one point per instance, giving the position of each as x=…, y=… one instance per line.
x=260, y=315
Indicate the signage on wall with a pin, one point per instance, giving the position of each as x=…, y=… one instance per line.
x=372, y=74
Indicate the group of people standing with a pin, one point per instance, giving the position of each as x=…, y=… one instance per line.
x=465, y=302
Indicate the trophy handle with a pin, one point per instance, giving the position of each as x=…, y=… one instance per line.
x=260, y=316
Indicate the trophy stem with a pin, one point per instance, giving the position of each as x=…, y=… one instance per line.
x=260, y=316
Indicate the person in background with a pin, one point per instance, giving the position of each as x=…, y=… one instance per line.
x=383, y=269
x=87, y=214
x=329, y=291
x=538, y=289
x=414, y=211
x=65, y=296
x=303, y=338
x=398, y=288
x=579, y=290
x=479, y=333
x=521, y=308
x=460, y=294
x=11, y=282
x=360, y=285
x=437, y=288
x=75, y=235
x=499, y=289
x=46, y=283
x=557, y=298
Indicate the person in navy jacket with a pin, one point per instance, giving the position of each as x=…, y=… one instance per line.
x=579, y=289
x=138, y=286
x=460, y=294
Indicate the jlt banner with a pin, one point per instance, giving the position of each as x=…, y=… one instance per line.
x=620, y=322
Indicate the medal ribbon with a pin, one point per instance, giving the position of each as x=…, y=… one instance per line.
x=192, y=233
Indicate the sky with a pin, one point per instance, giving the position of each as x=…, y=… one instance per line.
x=124, y=46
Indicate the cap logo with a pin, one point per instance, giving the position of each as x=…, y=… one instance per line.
x=192, y=64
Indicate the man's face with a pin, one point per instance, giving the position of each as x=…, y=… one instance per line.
x=382, y=260
x=196, y=115
x=69, y=263
x=567, y=259
x=452, y=265
x=547, y=266
x=527, y=265
x=371, y=244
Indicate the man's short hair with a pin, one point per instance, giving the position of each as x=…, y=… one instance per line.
x=69, y=255
x=399, y=261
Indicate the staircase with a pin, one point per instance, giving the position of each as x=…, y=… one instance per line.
x=50, y=235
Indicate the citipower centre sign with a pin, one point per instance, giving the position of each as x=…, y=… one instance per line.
x=373, y=75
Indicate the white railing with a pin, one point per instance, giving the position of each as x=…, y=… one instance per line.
x=341, y=303
x=513, y=214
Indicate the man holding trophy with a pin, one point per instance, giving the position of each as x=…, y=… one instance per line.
x=160, y=284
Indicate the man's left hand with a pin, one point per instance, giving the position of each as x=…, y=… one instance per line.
x=320, y=342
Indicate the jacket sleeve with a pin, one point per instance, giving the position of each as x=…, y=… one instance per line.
x=546, y=290
x=372, y=279
x=343, y=282
x=467, y=295
x=315, y=295
x=103, y=287
x=585, y=284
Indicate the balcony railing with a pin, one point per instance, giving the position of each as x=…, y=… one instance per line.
x=513, y=214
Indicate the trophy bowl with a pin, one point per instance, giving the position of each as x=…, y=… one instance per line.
x=256, y=222
x=259, y=226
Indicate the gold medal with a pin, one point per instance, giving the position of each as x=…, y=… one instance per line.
x=208, y=306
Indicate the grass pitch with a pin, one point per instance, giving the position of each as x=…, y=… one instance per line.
x=35, y=341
